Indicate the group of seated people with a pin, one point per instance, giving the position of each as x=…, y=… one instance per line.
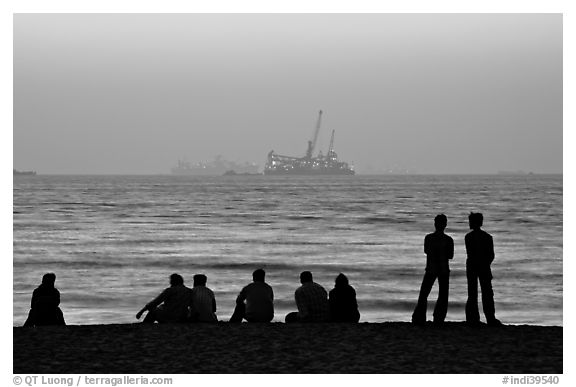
x=255, y=303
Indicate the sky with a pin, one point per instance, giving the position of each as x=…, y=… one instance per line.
x=425, y=93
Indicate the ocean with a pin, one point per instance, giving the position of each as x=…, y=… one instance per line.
x=113, y=241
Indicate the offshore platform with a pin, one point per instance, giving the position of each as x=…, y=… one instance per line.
x=308, y=165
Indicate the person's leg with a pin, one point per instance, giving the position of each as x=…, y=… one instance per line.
x=472, y=314
x=239, y=313
x=441, y=307
x=150, y=317
x=260, y=319
x=419, y=314
x=488, y=298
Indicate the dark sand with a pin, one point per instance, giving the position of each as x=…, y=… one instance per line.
x=288, y=348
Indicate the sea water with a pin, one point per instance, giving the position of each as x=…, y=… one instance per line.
x=113, y=241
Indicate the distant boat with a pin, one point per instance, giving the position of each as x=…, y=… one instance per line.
x=214, y=168
x=512, y=173
x=232, y=172
x=24, y=173
x=308, y=165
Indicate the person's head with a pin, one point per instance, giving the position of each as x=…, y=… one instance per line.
x=305, y=276
x=200, y=280
x=440, y=222
x=259, y=275
x=341, y=280
x=176, y=279
x=475, y=220
x=48, y=279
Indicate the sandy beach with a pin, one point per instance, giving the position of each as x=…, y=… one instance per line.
x=378, y=348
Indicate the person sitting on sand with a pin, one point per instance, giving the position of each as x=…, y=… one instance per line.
x=342, y=300
x=203, y=305
x=171, y=305
x=311, y=300
x=255, y=303
x=480, y=252
x=44, y=308
x=439, y=249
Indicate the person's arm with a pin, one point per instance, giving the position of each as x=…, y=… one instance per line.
x=354, y=298
x=491, y=254
x=467, y=243
x=213, y=304
x=450, y=248
x=34, y=299
x=301, y=304
x=427, y=245
x=332, y=299
x=242, y=296
x=139, y=314
x=152, y=304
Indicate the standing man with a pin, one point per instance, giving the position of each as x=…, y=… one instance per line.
x=255, y=303
x=311, y=300
x=439, y=249
x=480, y=251
x=203, y=305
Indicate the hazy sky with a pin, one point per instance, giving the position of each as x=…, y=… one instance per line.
x=436, y=93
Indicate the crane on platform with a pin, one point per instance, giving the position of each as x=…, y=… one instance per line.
x=331, y=147
x=312, y=143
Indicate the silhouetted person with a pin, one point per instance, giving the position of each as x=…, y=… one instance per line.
x=311, y=300
x=480, y=251
x=259, y=298
x=342, y=300
x=203, y=305
x=171, y=305
x=439, y=248
x=44, y=308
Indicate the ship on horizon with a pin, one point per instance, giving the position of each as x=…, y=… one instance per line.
x=308, y=165
x=23, y=173
x=217, y=167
